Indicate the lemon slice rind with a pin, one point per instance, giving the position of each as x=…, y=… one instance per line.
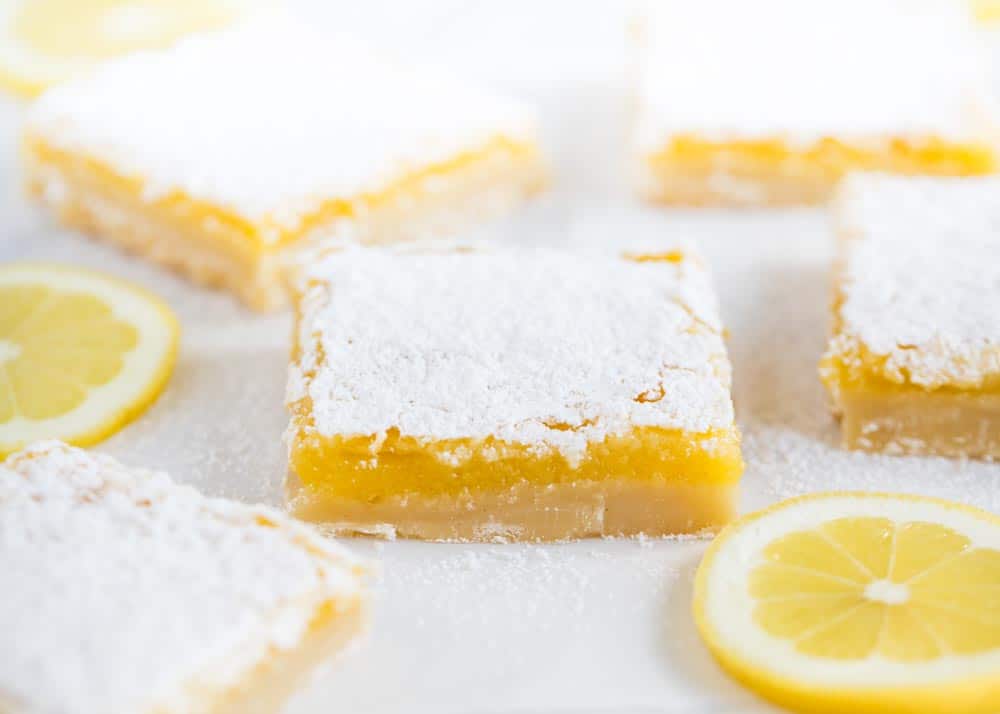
x=27, y=71
x=145, y=369
x=723, y=610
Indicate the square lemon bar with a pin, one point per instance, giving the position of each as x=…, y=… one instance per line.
x=125, y=592
x=913, y=366
x=770, y=102
x=230, y=153
x=496, y=395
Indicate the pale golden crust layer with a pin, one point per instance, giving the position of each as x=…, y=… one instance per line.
x=266, y=688
x=529, y=512
x=915, y=422
x=709, y=189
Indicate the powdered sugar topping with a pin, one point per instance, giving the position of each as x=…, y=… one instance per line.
x=270, y=120
x=539, y=347
x=134, y=593
x=857, y=70
x=920, y=279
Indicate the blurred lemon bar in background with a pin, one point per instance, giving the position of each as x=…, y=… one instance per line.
x=44, y=42
x=233, y=151
x=774, y=104
x=500, y=395
x=137, y=594
x=913, y=365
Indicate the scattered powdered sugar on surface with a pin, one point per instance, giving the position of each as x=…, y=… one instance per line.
x=543, y=622
x=542, y=347
x=824, y=70
x=191, y=591
x=271, y=119
x=633, y=646
x=921, y=277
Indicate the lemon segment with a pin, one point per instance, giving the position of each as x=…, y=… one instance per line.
x=81, y=354
x=44, y=42
x=986, y=11
x=858, y=602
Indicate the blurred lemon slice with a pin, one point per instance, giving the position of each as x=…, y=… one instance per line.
x=81, y=354
x=858, y=603
x=43, y=42
x=986, y=11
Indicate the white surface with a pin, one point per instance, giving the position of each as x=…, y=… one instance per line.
x=592, y=627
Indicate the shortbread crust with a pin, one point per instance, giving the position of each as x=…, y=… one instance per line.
x=133, y=594
x=731, y=112
x=226, y=154
x=501, y=395
x=913, y=364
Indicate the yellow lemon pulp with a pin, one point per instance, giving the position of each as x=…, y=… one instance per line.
x=103, y=28
x=80, y=354
x=986, y=11
x=858, y=602
x=47, y=41
x=856, y=587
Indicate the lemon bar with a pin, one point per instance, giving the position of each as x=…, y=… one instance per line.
x=913, y=365
x=770, y=103
x=493, y=395
x=125, y=592
x=230, y=154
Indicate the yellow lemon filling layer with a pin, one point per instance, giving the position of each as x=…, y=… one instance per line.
x=370, y=468
x=864, y=371
x=217, y=225
x=828, y=157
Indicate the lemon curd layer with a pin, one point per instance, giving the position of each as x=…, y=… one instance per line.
x=913, y=364
x=452, y=396
x=231, y=186
x=693, y=170
x=781, y=122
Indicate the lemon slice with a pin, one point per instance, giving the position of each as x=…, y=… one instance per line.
x=852, y=602
x=81, y=354
x=43, y=42
x=986, y=11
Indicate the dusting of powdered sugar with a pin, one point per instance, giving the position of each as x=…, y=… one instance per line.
x=134, y=593
x=538, y=346
x=824, y=70
x=920, y=280
x=270, y=119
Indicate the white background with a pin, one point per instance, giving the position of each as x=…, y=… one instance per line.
x=596, y=626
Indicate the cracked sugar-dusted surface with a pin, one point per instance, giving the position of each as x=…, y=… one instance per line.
x=192, y=591
x=920, y=279
x=542, y=347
